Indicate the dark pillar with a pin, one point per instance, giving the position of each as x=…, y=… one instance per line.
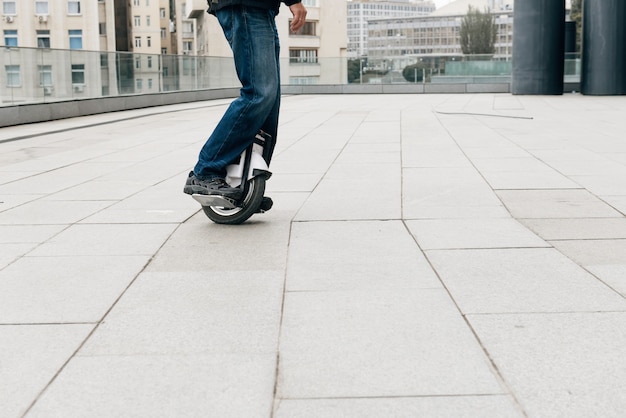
x=538, y=46
x=603, y=69
x=570, y=37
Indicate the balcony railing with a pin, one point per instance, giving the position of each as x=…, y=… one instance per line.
x=42, y=75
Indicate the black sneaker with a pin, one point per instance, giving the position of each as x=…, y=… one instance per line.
x=216, y=186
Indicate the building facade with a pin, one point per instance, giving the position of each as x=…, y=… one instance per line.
x=320, y=44
x=396, y=43
x=359, y=12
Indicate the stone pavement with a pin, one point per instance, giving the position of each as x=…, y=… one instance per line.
x=426, y=256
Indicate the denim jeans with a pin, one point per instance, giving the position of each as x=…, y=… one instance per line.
x=253, y=38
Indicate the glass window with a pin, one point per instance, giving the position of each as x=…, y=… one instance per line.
x=73, y=7
x=9, y=7
x=163, y=33
x=150, y=84
x=303, y=56
x=10, y=37
x=43, y=38
x=147, y=20
x=138, y=41
x=45, y=75
x=137, y=20
x=139, y=83
x=149, y=62
x=78, y=74
x=76, y=38
x=13, y=75
x=149, y=40
x=41, y=7
x=309, y=29
x=135, y=2
x=162, y=12
x=137, y=62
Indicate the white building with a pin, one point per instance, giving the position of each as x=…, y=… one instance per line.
x=360, y=11
x=395, y=43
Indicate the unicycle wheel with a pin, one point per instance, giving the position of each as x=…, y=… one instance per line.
x=251, y=204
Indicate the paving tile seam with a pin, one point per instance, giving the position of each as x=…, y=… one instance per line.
x=10, y=324
x=542, y=313
x=451, y=395
x=93, y=330
x=498, y=375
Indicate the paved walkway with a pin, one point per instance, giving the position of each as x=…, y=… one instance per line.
x=427, y=256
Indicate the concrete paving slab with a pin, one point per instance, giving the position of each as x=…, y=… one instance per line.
x=568, y=364
x=555, y=204
x=193, y=313
x=201, y=246
x=162, y=386
x=524, y=180
x=433, y=234
x=20, y=234
x=12, y=252
x=577, y=228
x=107, y=239
x=356, y=255
x=521, y=280
x=448, y=193
x=31, y=356
x=42, y=212
x=592, y=252
x=612, y=274
x=420, y=156
x=378, y=344
x=64, y=289
x=433, y=407
x=355, y=192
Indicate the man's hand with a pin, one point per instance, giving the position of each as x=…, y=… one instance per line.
x=299, y=16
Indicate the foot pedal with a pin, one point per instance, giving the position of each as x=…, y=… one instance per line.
x=266, y=204
x=215, y=200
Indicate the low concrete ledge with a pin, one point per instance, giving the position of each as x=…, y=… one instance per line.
x=42, y=112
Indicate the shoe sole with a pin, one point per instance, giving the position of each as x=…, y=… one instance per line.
x=192, y=189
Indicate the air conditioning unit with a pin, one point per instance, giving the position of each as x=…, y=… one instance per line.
x=47, y=91
x=42, y=18
x=79, y=88
x=8, y=19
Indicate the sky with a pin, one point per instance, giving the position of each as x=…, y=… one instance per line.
x=440, y=3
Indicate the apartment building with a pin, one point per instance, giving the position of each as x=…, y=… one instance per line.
x=80, y=48
x=321, y=43
x=361, y=11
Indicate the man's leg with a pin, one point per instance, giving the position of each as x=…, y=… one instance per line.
x=251, y=33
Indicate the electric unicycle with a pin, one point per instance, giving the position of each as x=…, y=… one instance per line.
x=254, y=162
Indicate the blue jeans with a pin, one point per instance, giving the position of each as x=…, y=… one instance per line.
x=253, y=38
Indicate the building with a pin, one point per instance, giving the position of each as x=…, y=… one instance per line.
x=361, y=11
x=322, y=42
x=78, y=48
x=396, y=43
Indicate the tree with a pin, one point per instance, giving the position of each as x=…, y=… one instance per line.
x=354, y=70
x=414, y=73
x=576, y=15
x=478, y=32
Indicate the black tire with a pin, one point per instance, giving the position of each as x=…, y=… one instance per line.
x=251, y=203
